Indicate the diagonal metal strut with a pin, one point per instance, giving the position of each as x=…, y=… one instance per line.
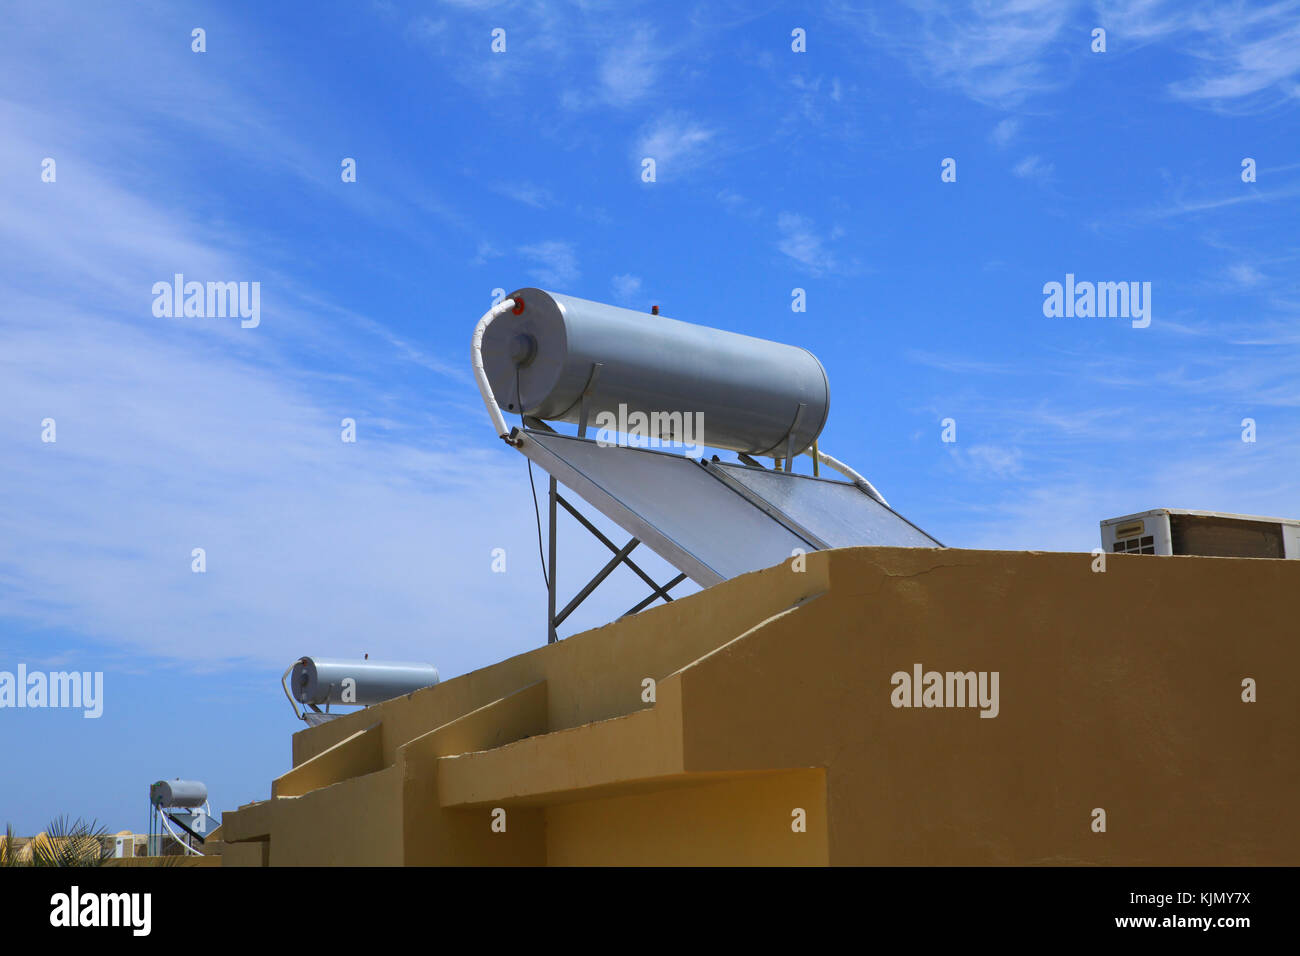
x=621, y=556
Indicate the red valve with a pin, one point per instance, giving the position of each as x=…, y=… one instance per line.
x=519, y=306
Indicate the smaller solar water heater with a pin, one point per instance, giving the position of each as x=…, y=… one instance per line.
x=316, y=681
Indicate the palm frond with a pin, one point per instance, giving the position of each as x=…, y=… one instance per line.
x=9, y=850
x=68, y=842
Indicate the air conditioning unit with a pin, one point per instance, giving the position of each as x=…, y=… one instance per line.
x=124, y=846
x=1206, y=533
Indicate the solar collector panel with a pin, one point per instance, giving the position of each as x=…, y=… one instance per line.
x=684, y=514
x=838, y=513
x=716, y=521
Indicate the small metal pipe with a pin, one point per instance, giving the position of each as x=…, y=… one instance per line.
x=848, y=473
x=551, y=637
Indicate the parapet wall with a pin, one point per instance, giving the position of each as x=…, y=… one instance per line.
x=833, y=715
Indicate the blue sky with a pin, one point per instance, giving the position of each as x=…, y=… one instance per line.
x=477, y=170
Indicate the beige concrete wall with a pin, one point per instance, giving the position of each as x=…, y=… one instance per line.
x=357, y=822
x=1118, y=690
x=361, y=753
x=746, y=821
x=434, y=834
x=252, y=853
x=593, y=675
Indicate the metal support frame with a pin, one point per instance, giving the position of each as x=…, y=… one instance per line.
x=551, y=637
x=621, y=556
x=158, y=829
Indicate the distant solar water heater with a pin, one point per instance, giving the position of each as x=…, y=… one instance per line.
x=179, y=812
x=649, y=380
x=312, y=681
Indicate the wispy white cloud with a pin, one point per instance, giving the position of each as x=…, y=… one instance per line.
x=738, y=204
x=1240, y=57
x=607, y=57
x=627, y=288
x=554, y=262
x=1243, y=273
x=530, y=194
x=174, y=434
x=1183, y=206
x=1004, y=132
x=1061, y=510
x=426, y=28
x=675, y=142
x=962, y=363
x=485, y=251
x=812, y=94
x=1034, y=167
x=994, y=461
x=630, y=66
x=999, y=53
x=1065, y=460
x=1246, y=57
x=801, y=242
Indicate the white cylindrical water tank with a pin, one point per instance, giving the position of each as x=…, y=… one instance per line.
x=318, y=680
x=753, y=396
x=178, y=793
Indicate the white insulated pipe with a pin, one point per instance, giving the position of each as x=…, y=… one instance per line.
x=480, y=374
x=848, y=473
